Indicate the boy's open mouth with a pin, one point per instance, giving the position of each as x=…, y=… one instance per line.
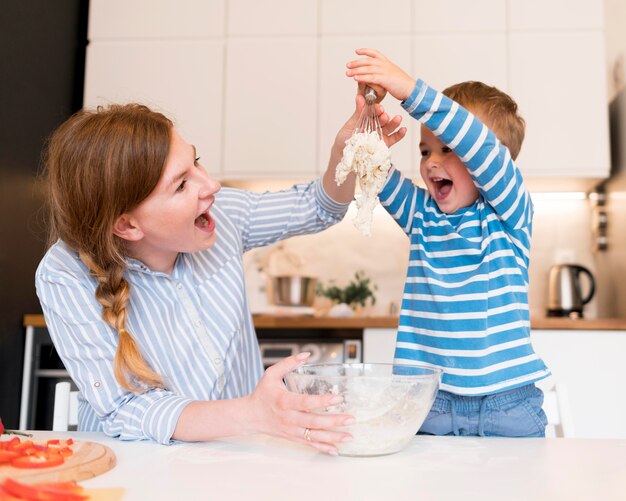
x=205, y=222
x=442, y=187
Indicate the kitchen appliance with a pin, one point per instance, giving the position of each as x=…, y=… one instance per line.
x=565, y=292
x=291, y=295
x=293, y=290
x=348, y=350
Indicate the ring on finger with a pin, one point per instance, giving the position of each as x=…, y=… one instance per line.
x=307, y=434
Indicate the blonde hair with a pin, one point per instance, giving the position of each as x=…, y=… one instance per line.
x=495, y=108
x=101, y=164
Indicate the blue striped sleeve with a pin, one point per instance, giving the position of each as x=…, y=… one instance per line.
x=489, y=162
x=402, y=199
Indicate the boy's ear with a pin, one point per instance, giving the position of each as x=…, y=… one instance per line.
x=125, y=227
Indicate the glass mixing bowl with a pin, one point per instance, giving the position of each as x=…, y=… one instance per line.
x=388, y=401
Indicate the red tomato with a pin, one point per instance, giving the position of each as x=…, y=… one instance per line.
x=5, y=496
x=6, y=456
x=66, y=491
x=9, y=444
x=59, y=491
x=38, y=462
x=20, y=490
x=17, y=445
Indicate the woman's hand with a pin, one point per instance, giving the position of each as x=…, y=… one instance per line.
x=376, y=69
x=276, y=411
x=392, y=132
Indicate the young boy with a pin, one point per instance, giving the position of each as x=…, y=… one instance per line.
x=465, y=304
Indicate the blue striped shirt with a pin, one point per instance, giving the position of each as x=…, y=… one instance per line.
x=465, y=301
x=193, y=327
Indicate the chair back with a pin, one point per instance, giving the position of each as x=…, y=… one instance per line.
x=65, y=412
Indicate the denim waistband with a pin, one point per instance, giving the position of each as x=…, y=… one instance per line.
x=447, y=402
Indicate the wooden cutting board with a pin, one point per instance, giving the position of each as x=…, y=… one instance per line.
x=90, y=459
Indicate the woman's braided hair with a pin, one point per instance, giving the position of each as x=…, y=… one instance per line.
x=101, y=164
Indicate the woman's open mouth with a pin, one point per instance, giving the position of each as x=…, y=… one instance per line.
x=205, y=222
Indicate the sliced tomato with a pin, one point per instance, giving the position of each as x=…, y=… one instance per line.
x=20, y=446
x=5, y=496
x=38, y=461
x=9, y=444
x=59, y=491
x=20, y=490
x=66, y=491
x=6, y=456
x=60, y=446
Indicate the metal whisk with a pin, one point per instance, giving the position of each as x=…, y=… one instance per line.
x=368, y=121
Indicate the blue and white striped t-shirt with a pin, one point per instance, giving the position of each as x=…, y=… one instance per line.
x=465, y=302
x=193, y=327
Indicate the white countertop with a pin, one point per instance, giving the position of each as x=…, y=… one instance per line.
x=263, y=468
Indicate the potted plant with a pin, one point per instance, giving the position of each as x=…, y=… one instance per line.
x=347, y=299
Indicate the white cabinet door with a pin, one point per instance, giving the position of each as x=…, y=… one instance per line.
x=270, y=115
x=156, y=19
x=551, y=15
x=446, y=59
x=337, y=93
x=379, y=345
x=458, y=16
x=272, y=17
x=364, y=17
x=591, y=365
x=182, y=79
x=559, y=83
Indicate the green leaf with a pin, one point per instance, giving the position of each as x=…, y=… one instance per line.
x=358, y=291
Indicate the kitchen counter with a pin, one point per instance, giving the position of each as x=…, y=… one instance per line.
x=444, y=468
x=391, y=322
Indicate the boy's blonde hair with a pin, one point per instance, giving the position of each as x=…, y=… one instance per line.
x=493, y=107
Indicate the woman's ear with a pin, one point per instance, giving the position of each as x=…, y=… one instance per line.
x=124, y=227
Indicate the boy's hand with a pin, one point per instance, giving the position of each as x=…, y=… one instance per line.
x=376, y=69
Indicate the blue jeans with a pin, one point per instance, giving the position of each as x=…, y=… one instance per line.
x=512, y=413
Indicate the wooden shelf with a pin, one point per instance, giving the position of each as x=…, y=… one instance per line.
x=389, y=322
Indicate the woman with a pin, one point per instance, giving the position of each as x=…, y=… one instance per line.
x=143, y=291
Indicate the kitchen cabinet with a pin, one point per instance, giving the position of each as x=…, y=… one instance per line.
x=181, y=78
x=379, y=345
x=270, y=122
x=156, y=19
x=459, y=16
x=337, y=93
x=588, y=363
x=296, y=18
x=264, y=95
x=555, y=15
x=559, y=82
x=364, y=18
x=591, y=366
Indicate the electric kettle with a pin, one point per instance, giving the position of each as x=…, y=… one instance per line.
x=565, y=296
